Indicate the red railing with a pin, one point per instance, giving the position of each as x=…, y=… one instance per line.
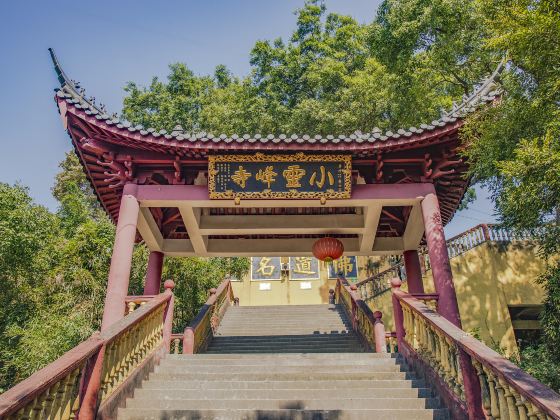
x=473, y=379
x=365, y=323
x=96, y=372
x=378, y=284
x=201, y=330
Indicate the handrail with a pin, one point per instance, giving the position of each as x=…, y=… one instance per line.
x=365, y=323
x=506, y=391
x=378, y=284
x=202, y=328
x=38, y=384
x=96, y=369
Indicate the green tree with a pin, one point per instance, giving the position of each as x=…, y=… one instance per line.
x=514, y=148
x=332, y=76
x=28, y=235
x=54, y=269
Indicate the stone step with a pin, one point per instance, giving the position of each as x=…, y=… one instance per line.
x=281, y=394
x=318, y=349
x=241, y=339
x=285, y=328
x=285, y=314
x=274, y=404
x=282, y=414
x=303, y=362
x=329, y=306
x=251, y=319
x=254, y=317
x=282, y=338
x=257, y=332
x=284, y=350
x=279, y=347
x=326, y=309
x=267, y=376
x=327, y=344
x=288, y=357
x=242, y=369
x=277, y=323
x=330, y=384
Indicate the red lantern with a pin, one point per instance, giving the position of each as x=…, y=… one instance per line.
x=327, y=249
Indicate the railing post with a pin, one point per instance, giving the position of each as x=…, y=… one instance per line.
x=332, y=300
x=379, y=333
x=486, y=232
x=90, y=385
x=168, y=316
x=471, y=386
x=398, y=313
x=188, y=341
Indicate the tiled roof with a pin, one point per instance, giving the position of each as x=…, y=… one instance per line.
x=72, y=93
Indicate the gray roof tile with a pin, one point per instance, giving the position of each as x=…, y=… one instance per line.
x=73, y=94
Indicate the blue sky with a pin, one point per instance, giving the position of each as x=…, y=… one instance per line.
x=104, y=44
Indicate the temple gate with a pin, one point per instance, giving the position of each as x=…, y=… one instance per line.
x=199, y=194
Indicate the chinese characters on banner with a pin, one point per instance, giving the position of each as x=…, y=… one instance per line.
x=304, y=268
x=266, y=268
x=348, y=266
x=280, y=176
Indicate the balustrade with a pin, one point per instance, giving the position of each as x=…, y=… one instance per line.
x=380, y=283
x=201, y=330
x=391, y=342
x=506, y=392
x=176, y=344
x=96, y=370
x=134, y=302
x=126, y=350
x=368, y=325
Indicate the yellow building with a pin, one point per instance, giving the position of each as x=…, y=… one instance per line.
x=499, y=300
x=300, y=280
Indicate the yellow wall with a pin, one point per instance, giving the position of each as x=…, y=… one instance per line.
x=289, y=292
x=487, y=279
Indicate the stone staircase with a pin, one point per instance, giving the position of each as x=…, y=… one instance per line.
x=283, y=362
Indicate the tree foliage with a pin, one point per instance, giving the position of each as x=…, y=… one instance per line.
x=54, y=269
x=514, y=148
x=333, y=75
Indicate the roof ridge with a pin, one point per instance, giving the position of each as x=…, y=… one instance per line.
x=72, y=92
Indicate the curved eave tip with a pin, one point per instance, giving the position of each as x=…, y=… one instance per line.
x=62, y=78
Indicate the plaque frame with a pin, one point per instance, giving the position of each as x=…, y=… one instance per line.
x=346, y=160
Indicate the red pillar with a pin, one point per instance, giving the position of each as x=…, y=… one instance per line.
x=439, y=260
x=153, y=273
x=119, y=273
x=413, y=272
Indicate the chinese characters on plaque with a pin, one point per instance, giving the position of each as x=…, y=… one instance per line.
x=266, y=268
x=348, y=266
x=304, y=268
x=262, y=176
